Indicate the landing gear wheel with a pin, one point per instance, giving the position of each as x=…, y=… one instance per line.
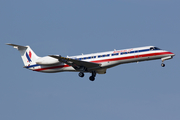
x=91, y=78
x=81, y=74
x=163, y=65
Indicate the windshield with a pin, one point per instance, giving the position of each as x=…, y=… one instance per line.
x=155, y=48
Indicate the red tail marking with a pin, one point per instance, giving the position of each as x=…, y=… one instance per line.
x=30, y=54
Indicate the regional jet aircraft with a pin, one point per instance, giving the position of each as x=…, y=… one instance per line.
x=92, y=63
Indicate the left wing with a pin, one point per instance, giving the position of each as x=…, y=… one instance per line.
x=77, y=63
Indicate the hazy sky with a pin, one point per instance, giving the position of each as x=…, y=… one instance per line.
x=136, y=91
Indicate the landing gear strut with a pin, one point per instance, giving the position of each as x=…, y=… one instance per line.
x=92, y=77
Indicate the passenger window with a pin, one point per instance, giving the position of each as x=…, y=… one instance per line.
x=123, y=53
x=115, y=54
x=136, y=51
x=93, y=57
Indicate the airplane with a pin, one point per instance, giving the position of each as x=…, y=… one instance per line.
x=90, y=63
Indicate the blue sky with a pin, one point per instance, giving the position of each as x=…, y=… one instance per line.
x=142, y=91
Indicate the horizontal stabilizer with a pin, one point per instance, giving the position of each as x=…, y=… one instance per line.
x=17, y=46
x=27, y=54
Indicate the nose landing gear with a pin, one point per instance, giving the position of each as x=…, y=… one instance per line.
x=162, y=64
x=166, y=58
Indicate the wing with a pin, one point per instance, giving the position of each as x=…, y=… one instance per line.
x=77, y=64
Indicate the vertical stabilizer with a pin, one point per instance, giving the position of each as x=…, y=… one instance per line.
x=27, y=54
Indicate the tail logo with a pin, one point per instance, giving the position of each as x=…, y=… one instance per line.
x=28, y=56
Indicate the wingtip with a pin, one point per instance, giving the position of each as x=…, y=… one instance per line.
x=8, y=43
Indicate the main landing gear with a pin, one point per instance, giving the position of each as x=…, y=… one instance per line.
x=81, y=74
x=91, y=78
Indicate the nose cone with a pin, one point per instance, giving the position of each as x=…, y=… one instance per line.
x=172, y=54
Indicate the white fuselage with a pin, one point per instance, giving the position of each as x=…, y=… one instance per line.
x=108, y=59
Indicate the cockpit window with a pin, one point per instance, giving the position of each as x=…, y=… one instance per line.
x=154, y=48
x=151, y=48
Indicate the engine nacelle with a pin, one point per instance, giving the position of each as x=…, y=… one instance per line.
x=47, y=60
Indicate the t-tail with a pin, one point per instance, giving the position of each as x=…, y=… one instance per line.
x=27, y=54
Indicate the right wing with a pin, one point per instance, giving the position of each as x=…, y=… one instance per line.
x=77, y=63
